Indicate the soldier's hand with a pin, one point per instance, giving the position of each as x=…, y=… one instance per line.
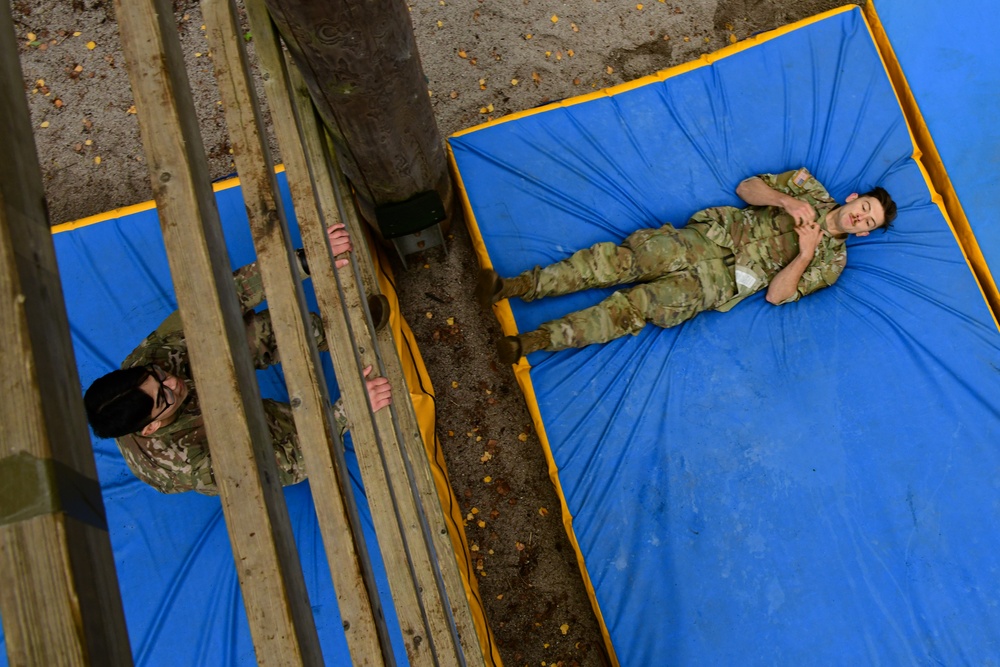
x=809, y=236
x=379, y=391
x=802, y=212
x=340, y=243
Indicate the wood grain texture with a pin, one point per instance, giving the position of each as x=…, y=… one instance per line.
x=58, y=588
x=312, y=224
x=412, y=466
x=318, y=435
x=267, y=564
x=360, y=62
x=413, y=492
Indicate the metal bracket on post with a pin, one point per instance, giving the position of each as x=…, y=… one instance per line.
x=413, y=225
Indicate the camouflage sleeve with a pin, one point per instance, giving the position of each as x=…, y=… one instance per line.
x=165, y=347
x=340, y=417
x=249, y=286
x=823, y=270
x=798, y=183
x=171, y=465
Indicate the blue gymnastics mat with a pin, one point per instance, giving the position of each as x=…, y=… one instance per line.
x=952, y=65
x=182, y=600
x=809, y=484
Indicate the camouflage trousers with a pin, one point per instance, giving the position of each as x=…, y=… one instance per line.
x=680, y=273
x=280, y=422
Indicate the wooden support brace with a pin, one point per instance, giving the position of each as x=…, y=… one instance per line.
x=58, y=589
x=267, y=563
x=414, y=455
x=317, y=434
x=413, y=484
x=346, y=365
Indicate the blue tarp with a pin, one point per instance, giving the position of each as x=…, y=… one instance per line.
x=182, y=600
x=814, y=483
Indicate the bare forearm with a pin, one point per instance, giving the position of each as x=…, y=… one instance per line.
x=786, y=281
x=758, y=193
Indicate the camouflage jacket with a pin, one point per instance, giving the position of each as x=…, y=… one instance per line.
x=177, y=457
x=763, y=238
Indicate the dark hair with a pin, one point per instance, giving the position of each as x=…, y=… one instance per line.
x=888, y=205
x=115, y=404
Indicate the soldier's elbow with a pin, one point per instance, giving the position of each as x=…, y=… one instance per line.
x=774, y=298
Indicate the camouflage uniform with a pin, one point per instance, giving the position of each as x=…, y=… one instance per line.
x=720, y=257
x=177, y=457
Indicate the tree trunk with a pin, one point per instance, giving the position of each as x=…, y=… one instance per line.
x=360, y=62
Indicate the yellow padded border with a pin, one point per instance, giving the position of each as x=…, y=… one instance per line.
x=934, y=175
x=140, y=207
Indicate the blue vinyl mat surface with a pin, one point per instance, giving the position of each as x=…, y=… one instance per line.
x=182, y=600
x=809, y=484
x=951, y=60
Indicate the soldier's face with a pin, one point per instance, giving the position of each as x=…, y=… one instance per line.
x=859, y=216
x=168, y=393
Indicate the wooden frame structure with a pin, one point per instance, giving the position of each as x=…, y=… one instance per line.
x=58, y=592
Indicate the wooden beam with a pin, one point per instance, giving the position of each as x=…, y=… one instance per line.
x=407, y=591
x=267, y=563
x=360, y=62
x=414, y=457
x=317, y=431
x=58, y=589
x=413, y=492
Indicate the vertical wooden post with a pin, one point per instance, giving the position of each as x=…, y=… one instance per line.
x=320, y=443
x=360, y=62
x=58, y=589
x=411, y=469
x=267, y=563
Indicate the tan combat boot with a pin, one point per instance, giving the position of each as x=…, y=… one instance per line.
x=512, y=348
x=491, y=288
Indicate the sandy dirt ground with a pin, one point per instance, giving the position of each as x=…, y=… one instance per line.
x=483, y=60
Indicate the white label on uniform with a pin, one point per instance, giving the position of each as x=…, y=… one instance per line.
x=745, y=277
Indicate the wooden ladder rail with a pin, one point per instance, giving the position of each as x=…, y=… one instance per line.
x=322, y=448
x=59, y=593
x=277, y=605
x=431, y=601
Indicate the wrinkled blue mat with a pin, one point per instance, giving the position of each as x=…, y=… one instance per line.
x=182, y=600
x=809, y=484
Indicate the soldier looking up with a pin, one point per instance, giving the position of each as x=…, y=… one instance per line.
x=790, y=240
x=150, y=406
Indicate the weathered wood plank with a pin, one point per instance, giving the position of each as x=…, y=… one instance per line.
x=292, y=327
x=267, y=563
x=348, y=52
x=404, y=589
x=416, y=455
x=58, y=588
x=446, y=606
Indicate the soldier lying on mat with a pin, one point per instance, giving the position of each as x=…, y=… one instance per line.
x=151, y=404
x=789, y=240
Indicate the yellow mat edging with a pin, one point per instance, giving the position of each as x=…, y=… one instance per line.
x=113, y=214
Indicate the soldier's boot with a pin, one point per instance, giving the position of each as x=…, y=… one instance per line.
x=492, y=288
x=512, y=348
x=378, y=306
